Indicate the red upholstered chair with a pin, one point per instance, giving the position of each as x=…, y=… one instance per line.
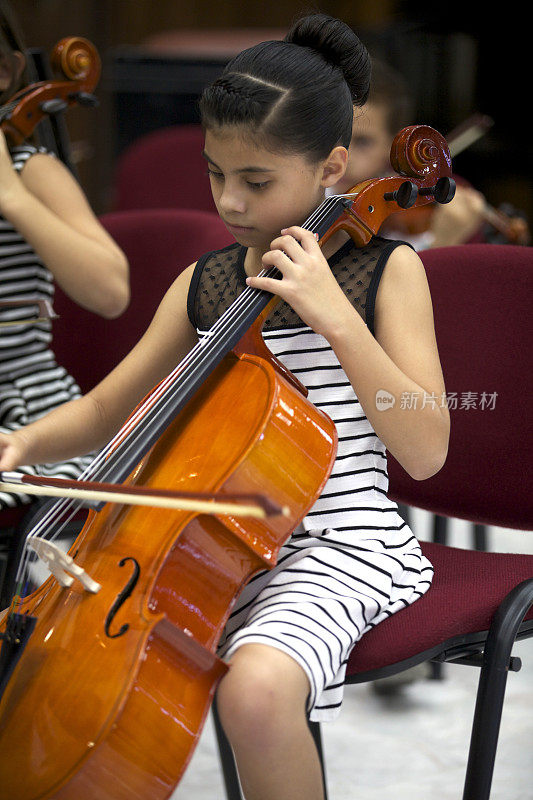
x=159, y=243
x=480, y=602
x=164, y=169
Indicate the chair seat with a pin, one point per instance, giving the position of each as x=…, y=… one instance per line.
x=468, y=587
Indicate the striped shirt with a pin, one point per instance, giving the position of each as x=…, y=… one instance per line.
x=31, y=382
x=353, y=561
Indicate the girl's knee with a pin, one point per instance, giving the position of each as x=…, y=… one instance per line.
x=263, y=692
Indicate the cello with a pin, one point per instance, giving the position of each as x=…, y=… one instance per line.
x=77, y=61
x=106, y=686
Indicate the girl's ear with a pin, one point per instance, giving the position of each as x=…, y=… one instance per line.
x=334, y=166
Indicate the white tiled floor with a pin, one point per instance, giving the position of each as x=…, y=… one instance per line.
x=412, y=746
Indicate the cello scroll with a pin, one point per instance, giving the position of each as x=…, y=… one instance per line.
x=421, y=157
x=78, y=62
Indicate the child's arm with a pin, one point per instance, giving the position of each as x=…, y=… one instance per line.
x=48, y=208
x=402, y=360
x=83, y=425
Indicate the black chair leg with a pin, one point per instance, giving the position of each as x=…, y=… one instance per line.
x=315, y=729
x=480, y=537
x=227, y=761
x=440, y=536
x=491, y=691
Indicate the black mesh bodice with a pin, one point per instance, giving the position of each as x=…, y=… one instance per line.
x=219, y=278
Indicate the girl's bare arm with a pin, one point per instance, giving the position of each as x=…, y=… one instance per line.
x=47, y=207
x=83, y=425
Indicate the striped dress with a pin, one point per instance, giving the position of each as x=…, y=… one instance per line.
x=353, y=561
x=31, y=382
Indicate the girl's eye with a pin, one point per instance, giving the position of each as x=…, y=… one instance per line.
x=260, y=185
x=215, y=175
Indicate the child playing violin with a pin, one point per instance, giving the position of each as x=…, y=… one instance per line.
x=351, y=323
x=48, y=233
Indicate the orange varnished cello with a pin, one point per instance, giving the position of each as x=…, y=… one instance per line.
x=107, y=681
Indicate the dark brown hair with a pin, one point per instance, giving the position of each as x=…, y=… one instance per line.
x=298, y=94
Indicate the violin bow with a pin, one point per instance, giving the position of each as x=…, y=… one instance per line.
x=468, y=132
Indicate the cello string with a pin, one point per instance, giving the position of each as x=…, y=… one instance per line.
x=191, y=361
x=226, y=323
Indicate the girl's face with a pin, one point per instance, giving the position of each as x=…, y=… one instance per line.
x=257, y=192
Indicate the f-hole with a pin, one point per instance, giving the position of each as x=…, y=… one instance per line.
x=122, y=597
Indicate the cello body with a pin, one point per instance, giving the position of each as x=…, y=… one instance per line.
x=110, y=696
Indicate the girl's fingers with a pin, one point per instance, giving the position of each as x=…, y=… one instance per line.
x=279, y=259
x=288, y=245
x=306, y=239
x=271, y=285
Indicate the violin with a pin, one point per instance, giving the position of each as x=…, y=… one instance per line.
x=511, y=227
x=77, y=61
x=106, y=678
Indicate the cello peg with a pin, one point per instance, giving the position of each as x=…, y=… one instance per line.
x=443, y=191
x=405, y=195
x=53, y=106
x=86, y=99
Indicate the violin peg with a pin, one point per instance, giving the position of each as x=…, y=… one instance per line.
x=405, y=195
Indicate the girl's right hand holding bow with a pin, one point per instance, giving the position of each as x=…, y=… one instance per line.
x=13, y=450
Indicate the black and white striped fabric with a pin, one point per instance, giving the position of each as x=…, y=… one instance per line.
x=353, y=561
x=31, y=382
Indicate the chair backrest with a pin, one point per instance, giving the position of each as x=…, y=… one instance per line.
x=483, y=299
x=163, y=169
x=159, y=244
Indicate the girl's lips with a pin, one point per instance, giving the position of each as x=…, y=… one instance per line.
x=241, y=228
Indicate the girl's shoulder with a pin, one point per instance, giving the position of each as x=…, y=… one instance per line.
x=218, y=278
x=404, y=289
x=359, y=272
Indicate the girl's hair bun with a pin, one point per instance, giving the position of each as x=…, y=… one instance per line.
x=339, y=46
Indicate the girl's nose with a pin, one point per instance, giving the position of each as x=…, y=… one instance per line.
x=231, y=200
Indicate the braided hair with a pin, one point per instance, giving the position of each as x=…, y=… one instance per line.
x=295, y=95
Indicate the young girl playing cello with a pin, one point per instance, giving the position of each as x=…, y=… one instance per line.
x=351, y=324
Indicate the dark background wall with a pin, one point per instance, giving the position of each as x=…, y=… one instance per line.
x=457, y=58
